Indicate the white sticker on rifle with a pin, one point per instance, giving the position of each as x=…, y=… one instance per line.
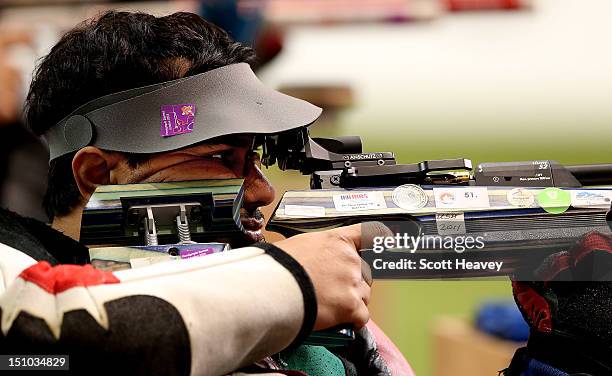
x=409, y=197
x=461, y=197
x=520, y=197
x=354, y=201
x=590, y=198
x=450, y=223
x=304, y=211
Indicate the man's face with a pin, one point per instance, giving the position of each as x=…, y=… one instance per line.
x=225, y=158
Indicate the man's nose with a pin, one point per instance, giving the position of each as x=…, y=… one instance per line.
x=258, y=191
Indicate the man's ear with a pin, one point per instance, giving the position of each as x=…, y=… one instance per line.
x=92, y=167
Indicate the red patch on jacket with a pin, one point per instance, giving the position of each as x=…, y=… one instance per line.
x=55, y=279
x=533, y=306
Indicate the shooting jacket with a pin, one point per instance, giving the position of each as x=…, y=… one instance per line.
x=211, y=315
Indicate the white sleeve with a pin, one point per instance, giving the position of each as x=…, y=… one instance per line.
x=204, y=316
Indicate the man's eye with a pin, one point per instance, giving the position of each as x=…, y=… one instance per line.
x=225, y=158
x=221, y=156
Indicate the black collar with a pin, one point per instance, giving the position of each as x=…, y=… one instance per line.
x=40, y=241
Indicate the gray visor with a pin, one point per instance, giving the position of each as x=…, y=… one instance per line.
x=175, y=114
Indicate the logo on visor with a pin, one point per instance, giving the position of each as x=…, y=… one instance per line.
x=177, y=119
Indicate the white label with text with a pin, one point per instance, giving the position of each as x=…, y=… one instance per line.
x=450, y=223
x=462, y=198
x=354, y=201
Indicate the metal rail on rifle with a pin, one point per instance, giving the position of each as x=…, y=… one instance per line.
x=341, y=162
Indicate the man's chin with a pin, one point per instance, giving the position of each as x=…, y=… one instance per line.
x=253, y=226
x=254, y=236
x=249, y=237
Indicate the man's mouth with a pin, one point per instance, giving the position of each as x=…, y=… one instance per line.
x=253, y=224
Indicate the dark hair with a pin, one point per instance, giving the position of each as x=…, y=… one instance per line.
x=115, y=52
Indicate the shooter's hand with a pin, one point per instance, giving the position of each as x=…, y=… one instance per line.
x=332, y=262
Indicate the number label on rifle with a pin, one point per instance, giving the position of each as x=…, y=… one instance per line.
x=462, y=197
x=542, y=165
x=450, y=223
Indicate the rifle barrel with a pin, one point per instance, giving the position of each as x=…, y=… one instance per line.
x=592, y=174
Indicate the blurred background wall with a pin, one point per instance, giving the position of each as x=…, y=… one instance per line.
x=427, y=81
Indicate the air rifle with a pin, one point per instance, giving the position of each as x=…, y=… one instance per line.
x=521, y=211
x=132, y=225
